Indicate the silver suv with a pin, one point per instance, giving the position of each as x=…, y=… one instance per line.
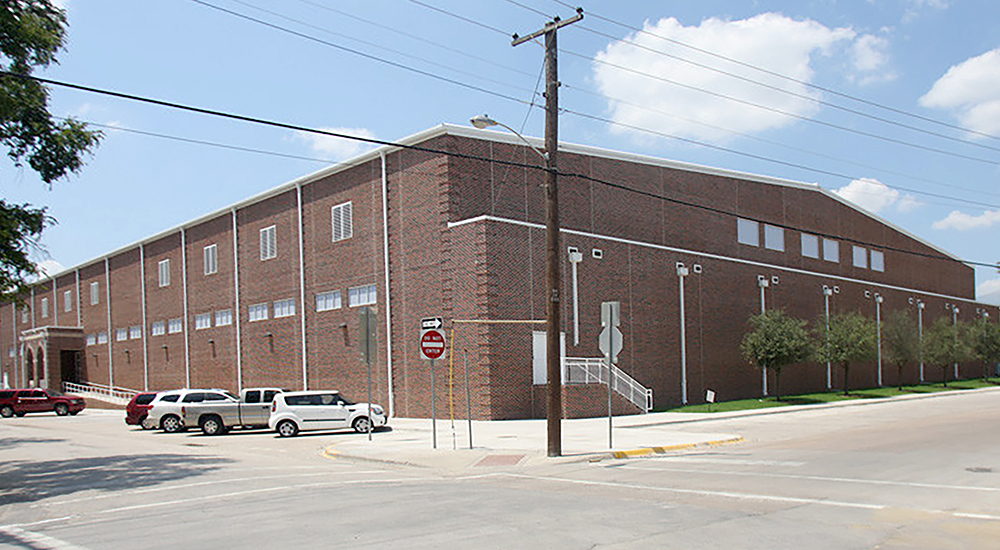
x=165, y=411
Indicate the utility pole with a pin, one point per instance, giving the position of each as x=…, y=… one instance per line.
x=552, y=268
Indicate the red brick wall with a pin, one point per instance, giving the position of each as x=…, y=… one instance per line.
x=167, y=366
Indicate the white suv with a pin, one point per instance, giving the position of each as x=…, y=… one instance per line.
x=296, y=411
x=165, y=410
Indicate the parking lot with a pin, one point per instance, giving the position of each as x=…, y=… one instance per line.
x=920, y=473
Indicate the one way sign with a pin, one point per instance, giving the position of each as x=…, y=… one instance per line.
x=431, y=322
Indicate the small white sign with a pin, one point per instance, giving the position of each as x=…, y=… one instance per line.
x=710, y=396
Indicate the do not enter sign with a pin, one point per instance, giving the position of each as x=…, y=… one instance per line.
x=432, y=344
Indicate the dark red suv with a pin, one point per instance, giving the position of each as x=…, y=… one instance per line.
x=21, y=402
x=137, y=408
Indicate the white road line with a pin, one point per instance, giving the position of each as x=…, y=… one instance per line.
x=817, y=478
x=189, y=485
x=976, y=516
x=38, y=541
x=724, y=494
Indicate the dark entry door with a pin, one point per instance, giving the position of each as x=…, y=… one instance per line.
x=69, y=362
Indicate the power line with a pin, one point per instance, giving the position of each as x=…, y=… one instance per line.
x=783, y=76
x=288, y=126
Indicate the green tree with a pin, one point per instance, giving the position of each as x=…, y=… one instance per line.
x=945, y=344
x=774, y=341
x=985, y=339
x=852, y=340
x=900, y=342
x=32, y=32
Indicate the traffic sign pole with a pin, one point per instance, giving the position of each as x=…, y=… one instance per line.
x=434, y=430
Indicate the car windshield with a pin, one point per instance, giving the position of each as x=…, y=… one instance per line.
x=55, y=393
x=346, y=400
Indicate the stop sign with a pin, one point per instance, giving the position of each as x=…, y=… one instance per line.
x=432, y=344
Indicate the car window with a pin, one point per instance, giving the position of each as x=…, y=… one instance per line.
x=144, y=398
x=253, y=396
x=269, y=395
x=6, y=394
x=193, y=397
x=216, y=397
x=301, y=400
x=330, y=399
x=38, y=394
x=55, y=393
x=172, y=398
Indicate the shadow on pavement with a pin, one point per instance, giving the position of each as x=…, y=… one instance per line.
x=28, y=481
x=8, y=443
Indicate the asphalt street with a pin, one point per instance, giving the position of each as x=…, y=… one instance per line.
x=918, y=473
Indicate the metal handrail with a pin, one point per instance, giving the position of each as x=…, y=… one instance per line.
x=593, y=370
x=110, y=394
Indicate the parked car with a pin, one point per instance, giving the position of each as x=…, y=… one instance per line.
x=19, y=402
x=292, y=412
x=165, y=409
x=138, y=409
x=251, y=410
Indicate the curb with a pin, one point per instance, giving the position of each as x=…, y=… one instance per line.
x=646, y=451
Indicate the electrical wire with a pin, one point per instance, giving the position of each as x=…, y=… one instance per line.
x=466, y=156
x=783, y=76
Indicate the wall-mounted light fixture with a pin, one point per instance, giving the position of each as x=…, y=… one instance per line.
x=212, y=343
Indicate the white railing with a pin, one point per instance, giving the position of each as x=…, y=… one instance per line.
x=593, y=370
x=109, y=394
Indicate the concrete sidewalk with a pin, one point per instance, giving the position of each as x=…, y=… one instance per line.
x=500, y=443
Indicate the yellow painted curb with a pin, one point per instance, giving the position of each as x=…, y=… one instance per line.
x=328, y=452
x=646, y=451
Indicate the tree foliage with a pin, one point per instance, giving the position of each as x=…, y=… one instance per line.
x=900, y=341
x=32, y=33
x=945, y=344
x=984, y=338
x=774, y=341
x=852, y=340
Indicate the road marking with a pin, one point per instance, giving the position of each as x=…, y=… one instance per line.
x=645, y=451
x=723, y=494
x=738, y=461
x=976, y=516
x=817, y=478
x=38, y=541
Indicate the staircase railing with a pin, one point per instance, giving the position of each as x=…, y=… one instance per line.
x=593, y=370
x=109, y=394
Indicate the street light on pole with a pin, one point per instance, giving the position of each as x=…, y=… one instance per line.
x=827, y=292
x=878, y=333
x=920, y=334
x=763, y=283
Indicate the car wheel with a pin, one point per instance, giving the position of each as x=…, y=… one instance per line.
x=212, y=425
x=287, y=428
x=362, y=424
x=7, y=411
x=171, y=424
x=61, y=409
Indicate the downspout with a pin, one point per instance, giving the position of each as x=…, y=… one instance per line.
x=79, y=314
x=17, y=349
x=187, y=335
x=107, y=291
x=145, y=329
x=388, y=294
x=236, y=307
x=302, y=294
x=55, y=301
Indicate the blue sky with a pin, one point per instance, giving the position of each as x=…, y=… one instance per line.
x=623, y=89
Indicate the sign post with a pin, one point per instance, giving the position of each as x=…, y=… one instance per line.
x=610, y=343
x=432, y=347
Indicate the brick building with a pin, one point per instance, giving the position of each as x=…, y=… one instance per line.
x=268, y=291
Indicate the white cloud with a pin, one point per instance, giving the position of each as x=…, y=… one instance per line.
x=875, y=196
x=870, y=59
x=336, y=148
x=770, y=40
x=971, y=91
x=963, y=222
x=988, y=292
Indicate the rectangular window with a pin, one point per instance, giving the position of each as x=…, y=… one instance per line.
x=326, y=301
x=774, y=238
x=135, y=332
x=284, y=308
x=68, y=300
x=202, y=321
x=810, y=246
x=258, y=312
x=95, y=293
x=268, y=243
x=24, y=315
x=211, y=259
x=121, y=335
x=343, y=225
x=748, y=232
x=45, y=308
x=361, y=295
x=165, y=273
x=91, y=340
x=860, y=257
x=878, y=261
x=831, y=250
x=102, y=337
x=175, y=325
x=12, y=351
x=223, y=317
x=159, y=328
